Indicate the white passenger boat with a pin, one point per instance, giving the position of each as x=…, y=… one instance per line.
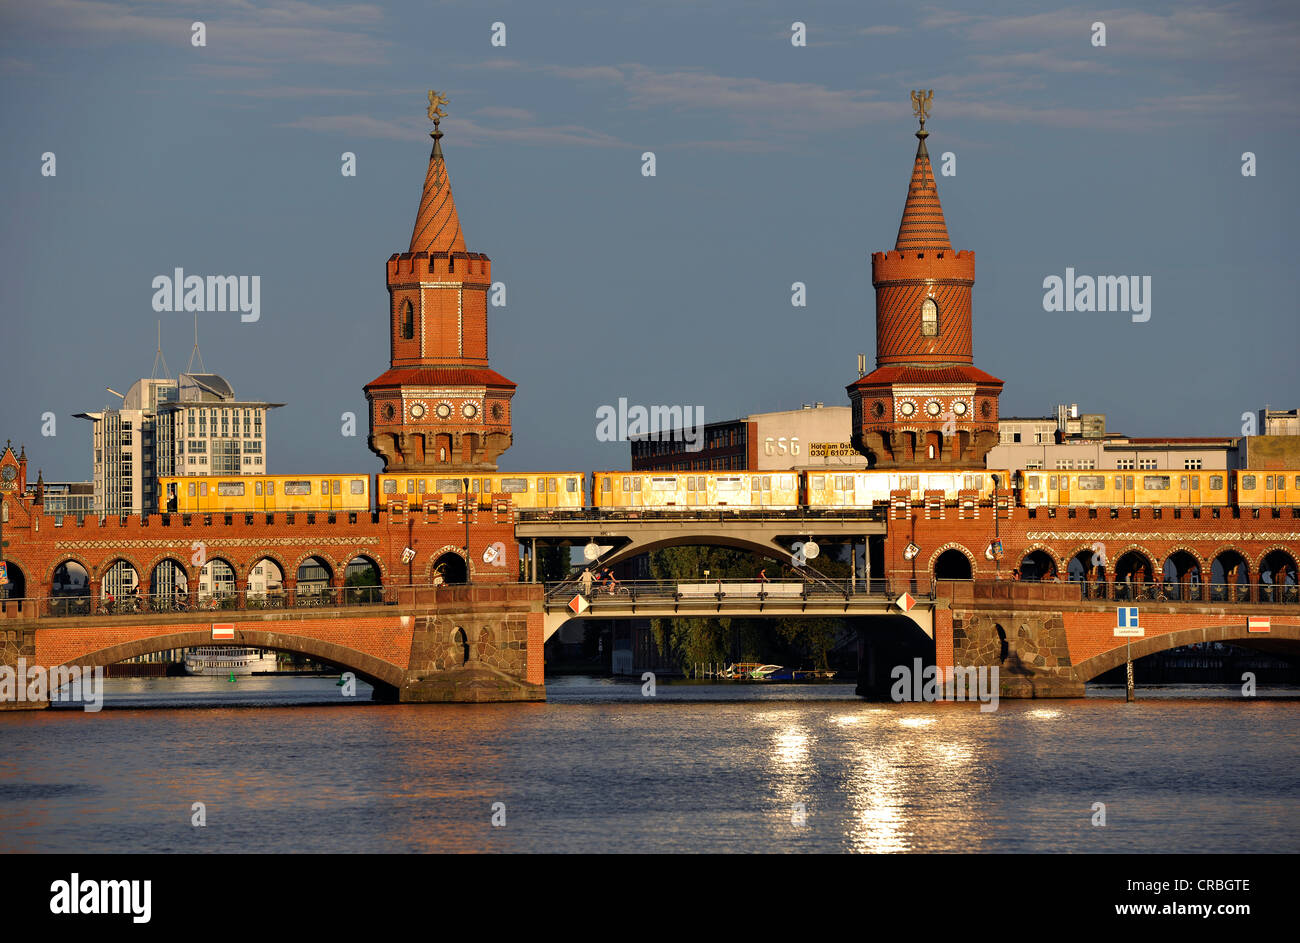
x=225, y=660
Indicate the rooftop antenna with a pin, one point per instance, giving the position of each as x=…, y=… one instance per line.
x=159, y=358
x=195, y=352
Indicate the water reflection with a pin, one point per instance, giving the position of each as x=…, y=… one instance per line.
x=600, y=768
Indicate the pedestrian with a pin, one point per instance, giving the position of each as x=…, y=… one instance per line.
x=586, y=581
x=762, y=575
x=1015, y=573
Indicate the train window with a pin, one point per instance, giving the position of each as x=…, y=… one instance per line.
x=767, y=482
x=297, y=487
x=193, y=489
x=1033, y=482
x=270, y=487
x=627, y=483
x=1128, y=482
x=203, y=489
x=663, y=484
x=257, y=488
x=446, y=485
x=1092, y=482
x=1155, y=482
x=410, y=486
x=1196, y=482
x=729, y=484
x=909, y=482
x=334, y=486
x=1247, y=482
x=324, y=487
x=230, y=489
x=473, y=486
x=571, y=485
x=690, y=483
x=358, y=486
x=519, y=485
x=550, y=485
x=390, y=486
x=636, y=482
x=420, y=484
x=1119, y=482
x=604, y=485
x=1182, y=482
x=541, y=485
x=1216, y=482
x=1052, y=482
x=1268, y=483
x=819, y=483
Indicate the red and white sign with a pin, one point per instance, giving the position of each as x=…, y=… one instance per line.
x=905, y=602
x=579, y=604
x=223, y=631
x=1257, y=624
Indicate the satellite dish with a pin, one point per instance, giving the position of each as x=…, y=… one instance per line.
x=810, y=550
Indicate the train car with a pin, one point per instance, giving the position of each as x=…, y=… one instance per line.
x=526, y=489
x=1125, y=488
x=685, y=491
x=1261, y=488
x=190, y=494
x=862, y=489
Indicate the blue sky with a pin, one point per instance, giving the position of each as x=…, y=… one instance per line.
x=775, y=164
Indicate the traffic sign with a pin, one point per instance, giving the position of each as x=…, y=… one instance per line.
x=1257, y=624
x=579, y=604
x=905, y=602
x=223, y=631
x=1126, y=622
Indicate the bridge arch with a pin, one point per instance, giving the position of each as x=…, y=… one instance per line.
x=441, y=553
x=370, y=556
x=952, y=563
x=1044, y=561
x=111, y=563
x=777, y=552
x=325, y=560
x=1097, y=665
x=62, y=562
x=265, y=558
x=382, y=674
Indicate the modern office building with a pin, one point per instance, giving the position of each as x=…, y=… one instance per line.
x=193, y=425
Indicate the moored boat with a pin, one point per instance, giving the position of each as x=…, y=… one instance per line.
x=223, y=660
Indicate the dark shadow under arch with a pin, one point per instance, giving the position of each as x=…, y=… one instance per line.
x=1287, y=635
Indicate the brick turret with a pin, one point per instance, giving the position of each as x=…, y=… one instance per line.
x=439, y=407
x=925, y=404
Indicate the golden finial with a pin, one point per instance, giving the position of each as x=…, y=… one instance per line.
x=436, y=102
x=921, y=104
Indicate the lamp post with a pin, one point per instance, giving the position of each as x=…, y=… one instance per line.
x=997, y=517
x=468, y=578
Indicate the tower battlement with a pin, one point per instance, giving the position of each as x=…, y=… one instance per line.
x=408, y=266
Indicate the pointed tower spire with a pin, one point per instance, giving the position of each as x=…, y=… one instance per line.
x=922, y=227
x=437, y=225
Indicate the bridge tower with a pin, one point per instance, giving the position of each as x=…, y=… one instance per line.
x=925, y=405
x=439, y=407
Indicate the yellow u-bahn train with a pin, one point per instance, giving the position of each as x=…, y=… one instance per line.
x=234, y=493
x=734, y=490
x=526, y=490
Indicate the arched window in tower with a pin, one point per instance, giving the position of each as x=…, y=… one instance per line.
x=929, y=318
x=408, y=321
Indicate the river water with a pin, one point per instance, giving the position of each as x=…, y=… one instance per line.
x=289, y=764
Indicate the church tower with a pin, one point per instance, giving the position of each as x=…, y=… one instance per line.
x=439, y=408
x=925, y=405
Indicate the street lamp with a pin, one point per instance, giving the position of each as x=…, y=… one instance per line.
x=468, y=579
x=996, y=546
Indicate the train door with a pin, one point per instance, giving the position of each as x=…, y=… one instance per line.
x=843, y=490
x=1193, y=490
x=1065, y=489
x=1124, y=495
x=760, y=490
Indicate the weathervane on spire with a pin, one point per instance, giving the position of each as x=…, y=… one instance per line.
x=921, y=104
x=436, y=101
